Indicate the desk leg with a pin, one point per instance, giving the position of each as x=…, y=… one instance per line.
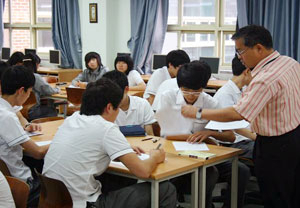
x=202, y=187
x=65, y=110
x=234, y=182
x=195, y=181
x=154, y=194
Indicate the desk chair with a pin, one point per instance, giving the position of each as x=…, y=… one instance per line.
x=54, y=193
x=30, y=102
x=43, y=120
x=74, y=96
x=4, y=169
x=19, y=190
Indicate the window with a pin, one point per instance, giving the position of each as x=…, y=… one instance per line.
x=202, y=28
x=27, y=24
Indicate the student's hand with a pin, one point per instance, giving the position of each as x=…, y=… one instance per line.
x=189, y=111
x=82, y=85
x=33, y=127
x=199, y=137
x=138, y=150
x=159, y=155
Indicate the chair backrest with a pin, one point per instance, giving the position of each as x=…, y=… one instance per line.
x=46, y=119
x=4, y=169
x=74, y=95
x=156, y=129
x=19, y=190
x=54, y=193
x=31, y=101
x=139, y=94
x=67, y=75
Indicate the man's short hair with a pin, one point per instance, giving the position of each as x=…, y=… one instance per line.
x=194, y=75
x=177, y=57
x=3, y=66
x=16, y=77
x=237, y=66
x=254, y=34
x=117, y=77
x=16, y=58
x=98, y=94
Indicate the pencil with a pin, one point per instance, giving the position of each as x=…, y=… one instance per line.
x=158, y=146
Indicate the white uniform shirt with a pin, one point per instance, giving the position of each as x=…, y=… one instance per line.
x=82, y=149
x=12, y=135
x=6, y=199
x=138, y=113
x=165, y=86
x=228, y=95
x=134, y=78
x=173, y=99
x=158, y=77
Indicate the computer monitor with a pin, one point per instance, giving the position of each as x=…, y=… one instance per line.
x=158, y=61
x=123, y=54
x=30, y=50
x=54, y=57
x=213, y=63
x=5, y=53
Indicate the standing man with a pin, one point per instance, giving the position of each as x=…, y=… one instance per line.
x=272, y=104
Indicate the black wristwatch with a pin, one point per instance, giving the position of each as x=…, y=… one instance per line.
x=198, y=114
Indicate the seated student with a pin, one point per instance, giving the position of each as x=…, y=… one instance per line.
x=16, y=58
x=125, y=64
x=6, y=198
x=41, y=88
x=16, y=85
x=191, y=79
x=174, y=59
x=94, y=70
x=133, y=110
x=228, y=95
x=89, y=140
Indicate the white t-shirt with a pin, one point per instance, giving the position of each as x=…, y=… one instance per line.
x=165, y=86
x=82, y=149
x=228, y=95
x=173, y=99
x=6, y=198
x=134, y=78
x=155, y=81
x=12, y=135
x=138, y=113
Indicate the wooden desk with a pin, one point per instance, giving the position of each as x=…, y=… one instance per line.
x=64, y=75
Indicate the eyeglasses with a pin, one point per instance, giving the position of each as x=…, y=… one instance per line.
x=239, y=53
x=190, y=93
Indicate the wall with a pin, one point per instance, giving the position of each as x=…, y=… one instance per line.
x=110, y=34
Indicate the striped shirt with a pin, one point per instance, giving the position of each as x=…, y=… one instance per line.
x=272, y=100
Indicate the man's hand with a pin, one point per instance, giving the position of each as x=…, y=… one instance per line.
x=199, y=137
x=138, y=150
x=189, y=111
x=33, y=127
x=159, y=155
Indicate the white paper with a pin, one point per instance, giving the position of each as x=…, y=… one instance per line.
x=183, y=146
x=142, y=157
x=33, y=133
x=215, y=125
x=42, y=143
x=172, y=122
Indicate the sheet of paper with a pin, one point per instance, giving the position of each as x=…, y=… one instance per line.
x=215, y=125
x=34, y=133
x=172, y=122
x=142, y=157
x=42, y=143
x=182, y=146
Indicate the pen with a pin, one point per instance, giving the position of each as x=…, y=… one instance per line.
x=194, y=156
x=147, y=139
x=158, y=146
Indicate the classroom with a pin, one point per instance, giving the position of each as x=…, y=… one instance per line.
x=150, y=103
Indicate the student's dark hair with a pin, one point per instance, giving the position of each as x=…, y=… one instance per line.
x=254, y=34
x=90, y=56
x=30, y=61
x=3, y=66
x=117, y=77
x=16, y=77
x=237, y=66
x=177, y=57
x=16, y=58
x=98, y=94
x=194, y=75
x=128, y=60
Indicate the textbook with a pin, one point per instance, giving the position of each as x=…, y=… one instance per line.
x=132, y=130
x=197, y=154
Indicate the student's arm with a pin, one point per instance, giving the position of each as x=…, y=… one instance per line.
x=26, y=125
x=246, y=133
x=184, y=137
x=151, y=99
x=141, y=86
x=77, y=79
x=149, y=129
x=37, y=152
x=81, y=84
x=143, y=168
x=201, y=136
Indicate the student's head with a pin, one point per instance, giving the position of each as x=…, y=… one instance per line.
x=31, y=61
x=103, y=98
x=124, y=64
x=192, y=78
x=16, y=58
x=3, y=66
x=17, y=81
x=253, y=43
x=175, y=59
x=92, y=61
x=240, y=71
